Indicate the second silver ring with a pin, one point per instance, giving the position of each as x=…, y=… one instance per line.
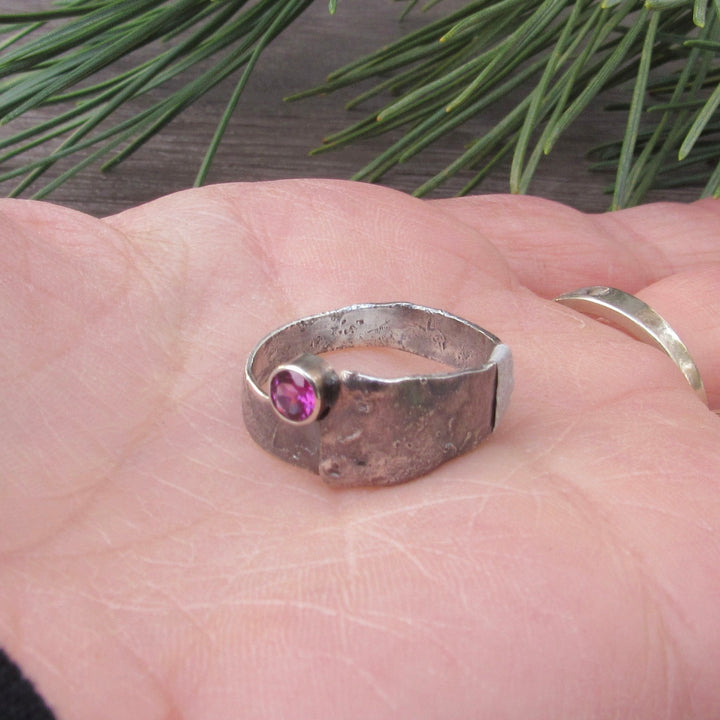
x=639, y=320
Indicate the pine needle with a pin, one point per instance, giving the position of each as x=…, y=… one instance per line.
x=622, y=184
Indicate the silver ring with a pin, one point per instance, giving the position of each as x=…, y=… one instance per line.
x=640, y=321
x=353, y=429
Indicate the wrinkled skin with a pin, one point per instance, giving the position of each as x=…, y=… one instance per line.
x=156, y=564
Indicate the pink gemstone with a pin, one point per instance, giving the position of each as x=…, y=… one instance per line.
x=292, y=395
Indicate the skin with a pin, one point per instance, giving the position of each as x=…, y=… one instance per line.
x=156, y=564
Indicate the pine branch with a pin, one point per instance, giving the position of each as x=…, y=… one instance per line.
x=572, y=51
x=48, y=68
x=556, y=58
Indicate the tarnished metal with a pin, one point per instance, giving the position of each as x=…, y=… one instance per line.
x=376, y=431
x=639, y=320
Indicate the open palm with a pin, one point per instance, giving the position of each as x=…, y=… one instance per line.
x=156, y=564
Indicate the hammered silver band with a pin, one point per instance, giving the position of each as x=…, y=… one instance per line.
x=356, y=429
x=639, y=320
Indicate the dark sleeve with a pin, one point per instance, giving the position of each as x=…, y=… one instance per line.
x=18, y=699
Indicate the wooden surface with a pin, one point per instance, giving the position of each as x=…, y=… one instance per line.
x=269, y=139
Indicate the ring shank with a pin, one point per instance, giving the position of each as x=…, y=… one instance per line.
x=401, y=326
x=638, y=320
x=384, y=431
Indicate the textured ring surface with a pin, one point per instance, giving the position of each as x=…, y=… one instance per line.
x=355, y=429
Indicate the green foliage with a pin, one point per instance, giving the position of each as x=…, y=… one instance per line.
x=49, y=68
x=547, y=60
x=555, y=57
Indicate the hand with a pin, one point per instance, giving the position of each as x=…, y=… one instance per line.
x=156, y=563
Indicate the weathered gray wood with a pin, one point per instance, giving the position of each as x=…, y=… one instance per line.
x=269, y=139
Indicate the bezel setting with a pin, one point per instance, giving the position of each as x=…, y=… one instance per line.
x=318, y=378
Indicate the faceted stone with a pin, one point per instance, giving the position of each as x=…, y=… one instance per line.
x=292, y=395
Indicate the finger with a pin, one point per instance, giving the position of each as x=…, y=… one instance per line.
x=553, y=248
